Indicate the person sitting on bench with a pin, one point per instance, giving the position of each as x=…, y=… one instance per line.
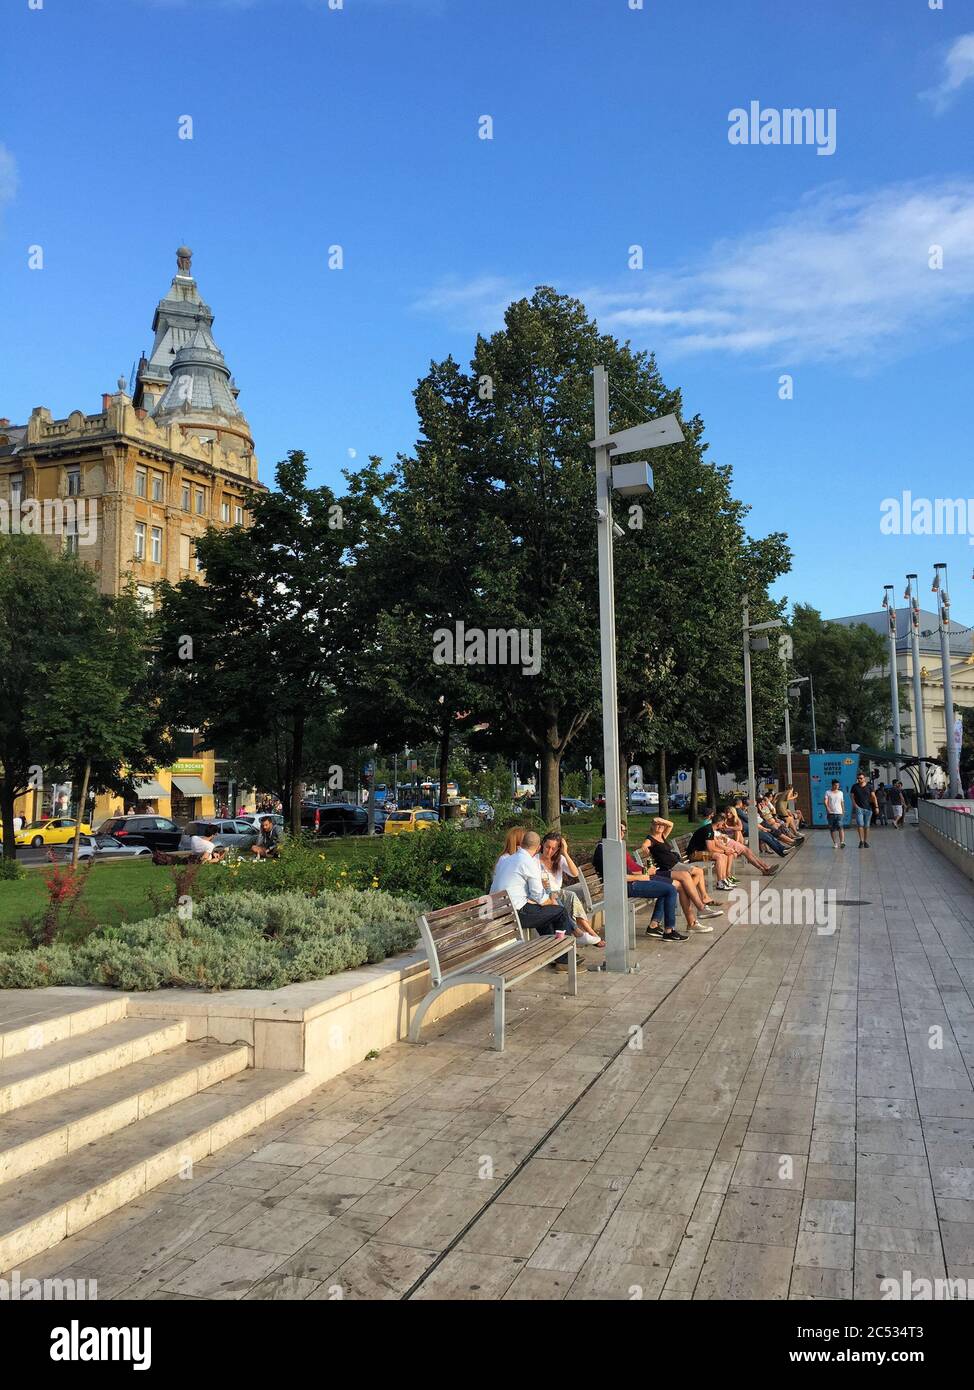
x=643, y=883
x=519, y=875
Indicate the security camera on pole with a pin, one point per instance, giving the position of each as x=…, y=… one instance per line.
x=629, y=479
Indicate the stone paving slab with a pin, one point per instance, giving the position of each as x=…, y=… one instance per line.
x=771, y=1111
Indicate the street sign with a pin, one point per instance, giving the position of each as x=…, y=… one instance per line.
x=681, y=776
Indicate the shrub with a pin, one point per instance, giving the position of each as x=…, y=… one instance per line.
x=244, y=940
x=10, y=869
x=441, y=866
x=65, y=886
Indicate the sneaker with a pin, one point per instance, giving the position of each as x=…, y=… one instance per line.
x=699, y=926
x=654, y=930
x=865, y=844
x=711, y=910
x=674, y=936
x=723, y=885
x=587, y=938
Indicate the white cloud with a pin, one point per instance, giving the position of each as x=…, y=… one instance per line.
x=958, y=71
x=8, y=177
x=843, y=276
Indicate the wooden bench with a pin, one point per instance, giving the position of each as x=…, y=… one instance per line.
x=681, y=842
x=591, y=890
x=481, y=942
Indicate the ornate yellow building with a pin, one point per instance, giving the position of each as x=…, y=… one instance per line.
x=131, y=488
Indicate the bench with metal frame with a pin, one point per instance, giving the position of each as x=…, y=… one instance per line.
x=482, y=942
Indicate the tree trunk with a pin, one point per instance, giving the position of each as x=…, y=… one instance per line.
x=7, y=813
x=712, y=792
x=297, y=759
x=444, y=762
x=550, y=789
x=662, y=782
x=371, y=826
x=81, y=811
x=694, y=783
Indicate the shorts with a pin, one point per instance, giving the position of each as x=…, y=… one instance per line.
x=897, y=811
x=864, y=816
x=835, y=822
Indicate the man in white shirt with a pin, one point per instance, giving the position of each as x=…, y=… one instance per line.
x=520, y=875
x=835, y=810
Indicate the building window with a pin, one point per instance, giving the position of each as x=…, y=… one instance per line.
x=225, y=511
x=70, y=542
x=146, y=597
x=16, y=489
x=74, y=481
x=157, y=545
x=196, y=559
x=185, y=499
x=140, y=482
x=157, y=487
x=184, y=552
x=238, y=516
x=140, y=540
x=200, y=502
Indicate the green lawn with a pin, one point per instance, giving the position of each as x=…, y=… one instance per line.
x=126, y=891
x=115, y=892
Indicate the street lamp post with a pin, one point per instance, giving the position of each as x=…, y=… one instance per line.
x=630, y=479
x=757, y=644
x=919, y=725
x=796, y=681
x=786, y=651
x=889, y=602
x=943, y=608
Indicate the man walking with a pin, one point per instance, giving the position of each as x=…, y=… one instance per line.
x=897, y=805
x=835, y=810
x=864, y=805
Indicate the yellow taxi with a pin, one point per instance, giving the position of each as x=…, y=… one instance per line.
x=404, y=822
x=59, y=831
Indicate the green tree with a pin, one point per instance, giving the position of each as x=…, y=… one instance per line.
x=849, y=666
x=257, y=651
x=74, y=686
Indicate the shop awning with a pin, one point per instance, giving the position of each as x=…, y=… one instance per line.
x=149, y=790
x=192, y=786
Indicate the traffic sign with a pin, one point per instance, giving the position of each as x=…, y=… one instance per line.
x=681, y=776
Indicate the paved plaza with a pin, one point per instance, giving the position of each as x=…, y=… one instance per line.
x=798, y=1122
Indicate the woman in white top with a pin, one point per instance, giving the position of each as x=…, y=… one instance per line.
x=555, y=862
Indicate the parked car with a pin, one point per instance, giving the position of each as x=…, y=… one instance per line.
x=158, y=832
x=107, y=847
x=405, y=822
x=50, y=832
x=230, y=834
x=643, y=800
x=255, y=818
x=334, y=818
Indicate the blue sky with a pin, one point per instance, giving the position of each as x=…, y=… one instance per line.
x=359, y=127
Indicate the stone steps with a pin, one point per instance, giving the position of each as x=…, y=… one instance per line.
x=47, y=1129
x=32, y=1075
x=31, y=1018
x=97, y=1108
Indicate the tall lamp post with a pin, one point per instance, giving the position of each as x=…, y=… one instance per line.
x=628, y=479
x=889, y=603
x=919, y=723
x=786, y=650
x=793, y=689
x=943, y=608
x=752, y=643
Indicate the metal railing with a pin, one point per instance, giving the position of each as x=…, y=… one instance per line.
x=955, y=825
